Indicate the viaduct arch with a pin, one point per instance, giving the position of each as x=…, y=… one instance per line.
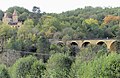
x=109, y=43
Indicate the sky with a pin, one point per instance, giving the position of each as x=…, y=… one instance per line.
x=57, y=6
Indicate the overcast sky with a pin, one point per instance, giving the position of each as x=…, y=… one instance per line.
x=57, y=6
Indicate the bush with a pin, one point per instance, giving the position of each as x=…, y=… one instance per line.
x=91, y=52
x=80, y=69
x=86, y=54
x=58, y=66
x=22, y=67
x=37, y=69
x=111, y=66
x=9, y=57
x=27, y=67
x=59, y=49
x=106, y=66
x=4, y=72
x=103, y=67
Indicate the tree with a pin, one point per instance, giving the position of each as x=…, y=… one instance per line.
x=91, y=27
x=59, y=48
x=110, y=18
x=22, y=13
x=22, y=67
x=58, y=66
x=66, y=38
x=50, y=32
x=23, y=16
x=20, y=10
x=68, y=31
x=91, y=21
x=26, y=34
x=118, y=42
x=43, y=46
x=50, y=21
x=36, y=9
x=57, y=35
x=38, y=69
x=106, y=66
x=15, y=44
x=5, y=33
x=35, y=15
x=1, y=14
x=4, y=72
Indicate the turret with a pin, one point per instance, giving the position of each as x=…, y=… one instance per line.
x=5, y=18
x=5, y=15
x=15, y=16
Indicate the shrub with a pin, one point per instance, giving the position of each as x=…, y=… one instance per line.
x=9, y=57
x=22, y=67
x=103, y=67
x=58, y=66
x=59, y=49
x=111, y=66
x=37, y=69
x=4, y=72
x=80, y=69
x=91, y=52
x=106, y=66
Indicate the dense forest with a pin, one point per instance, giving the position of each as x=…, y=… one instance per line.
x=26, y=51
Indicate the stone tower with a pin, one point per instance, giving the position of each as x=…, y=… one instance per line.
x=6, y=19
x=15, y=16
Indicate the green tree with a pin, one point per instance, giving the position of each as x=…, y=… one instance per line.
x=22, y=67
x=20, y=10
x=43, y=46
x=57, y=35
x=106, y=66
x=59, y=48
x=22, y=17
x=35, y=15
x=91, y=27
x=58, y=66
x=118, y=41
x=4, y=72
x=26, y=34
x=66, y=38
x=6, y=32
x=1, y=14
x=36, y=9
x=68, y=31
x=38, y=69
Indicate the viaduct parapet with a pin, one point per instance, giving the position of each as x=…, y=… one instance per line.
x=110, y=43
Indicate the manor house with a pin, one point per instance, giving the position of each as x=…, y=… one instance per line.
x=12, y=21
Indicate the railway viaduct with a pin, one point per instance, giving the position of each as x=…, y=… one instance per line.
x=110, y=43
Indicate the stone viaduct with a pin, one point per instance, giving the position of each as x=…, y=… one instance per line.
x=110, y=43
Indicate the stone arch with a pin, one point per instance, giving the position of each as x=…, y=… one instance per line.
x=74, y=48
x=85, y=44
x=115, y=45
x=74, y=43
x=102, y=43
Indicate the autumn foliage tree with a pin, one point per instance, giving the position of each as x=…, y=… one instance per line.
x=110, y=18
